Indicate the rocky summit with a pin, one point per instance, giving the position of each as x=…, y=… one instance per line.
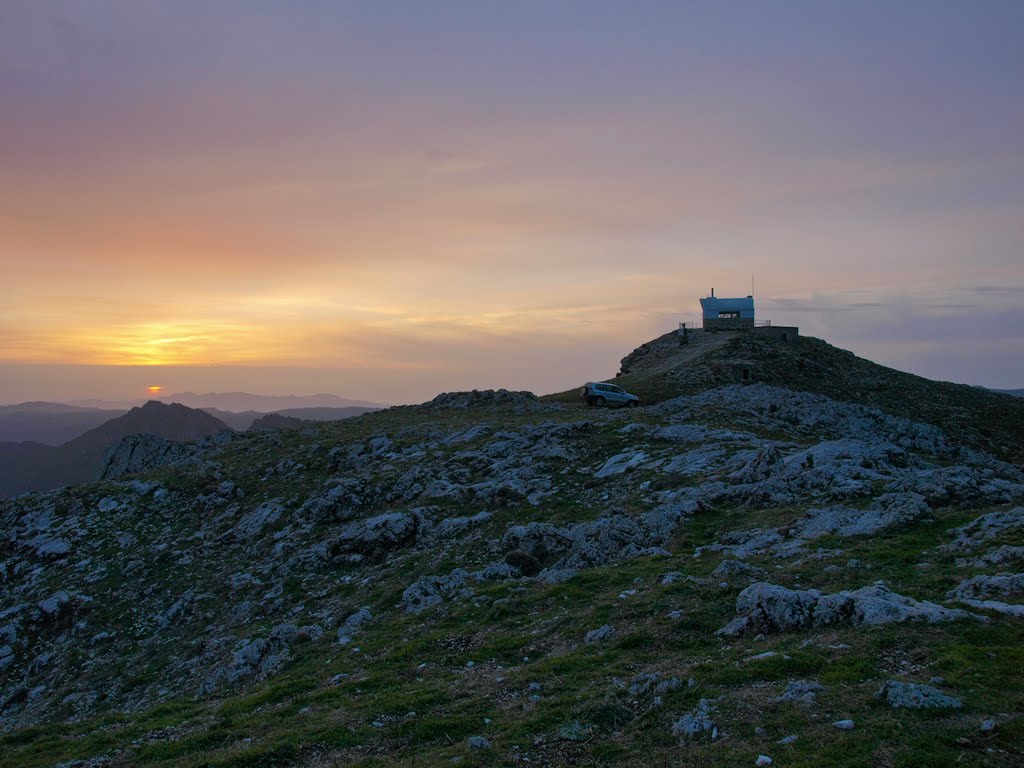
x=742, y=575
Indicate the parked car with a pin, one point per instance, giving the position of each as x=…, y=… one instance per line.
x=602, y=393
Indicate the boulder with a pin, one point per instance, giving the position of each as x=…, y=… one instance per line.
x=770, y=608
x=886, y=511
x=599, y=635
x=375, y=535
x=987, y=587
x=428, y=591
x=337, y=504
x=985, y=528
x=915, y=696
x=601, y=542
x=478, y=743
x=979, y=591
x=253, y=523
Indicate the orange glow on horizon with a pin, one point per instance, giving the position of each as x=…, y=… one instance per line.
x=156, y=389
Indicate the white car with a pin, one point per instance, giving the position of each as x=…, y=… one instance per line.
x=602, y=393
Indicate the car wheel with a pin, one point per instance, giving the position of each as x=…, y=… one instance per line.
x=598, y=401
x=632, y=404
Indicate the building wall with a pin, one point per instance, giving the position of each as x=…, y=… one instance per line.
x=712, y=306
x=728, y=323
x=779, y=332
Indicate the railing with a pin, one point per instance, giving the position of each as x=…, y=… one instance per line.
x=692, y=325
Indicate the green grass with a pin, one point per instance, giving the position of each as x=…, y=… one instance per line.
x=515, y=634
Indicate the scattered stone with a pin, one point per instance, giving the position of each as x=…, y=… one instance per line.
x=730, y=569
x=478, y=742
x=843, y=725
x=353, y=624
x=787, y=740
x=697, y=723
x=652, y=682
x=800, y=692
x=763, y=760
x=599, y=635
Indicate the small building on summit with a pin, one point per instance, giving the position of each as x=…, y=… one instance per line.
x=727, y=314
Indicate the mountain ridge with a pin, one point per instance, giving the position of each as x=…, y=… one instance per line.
x=490, y=578
x=36, y=467
x=664, y=368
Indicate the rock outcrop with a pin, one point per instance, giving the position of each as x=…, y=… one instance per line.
x=767, y=607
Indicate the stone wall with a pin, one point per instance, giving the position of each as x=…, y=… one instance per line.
x=780, y=332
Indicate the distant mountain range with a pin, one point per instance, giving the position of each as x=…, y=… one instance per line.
x=50, y=423
x=27, y=466
x=56, y=423
x=47, y=445
x=236, y=402
x=1014, y=392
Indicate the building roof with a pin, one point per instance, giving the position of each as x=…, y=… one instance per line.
x=716, y=305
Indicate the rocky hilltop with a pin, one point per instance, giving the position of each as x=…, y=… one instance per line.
x=745, y=575
x=665, y=368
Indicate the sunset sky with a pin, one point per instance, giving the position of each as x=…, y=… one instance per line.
x=385, y=200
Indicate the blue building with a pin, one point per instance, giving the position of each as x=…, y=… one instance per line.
x=727, y=314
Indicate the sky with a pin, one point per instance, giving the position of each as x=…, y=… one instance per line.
x=386, y=200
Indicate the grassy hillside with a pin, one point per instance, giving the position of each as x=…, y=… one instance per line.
x=175, y=580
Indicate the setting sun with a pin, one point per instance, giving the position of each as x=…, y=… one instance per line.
x=154, y=390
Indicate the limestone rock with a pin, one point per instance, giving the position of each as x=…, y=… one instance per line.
x=599, y=635
x=697, y=723
x=770, y=608
x=985, y=528
x=375, y=535
x=353, y=624
x=914, y=696
x=800, y=692
x=253, y=523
